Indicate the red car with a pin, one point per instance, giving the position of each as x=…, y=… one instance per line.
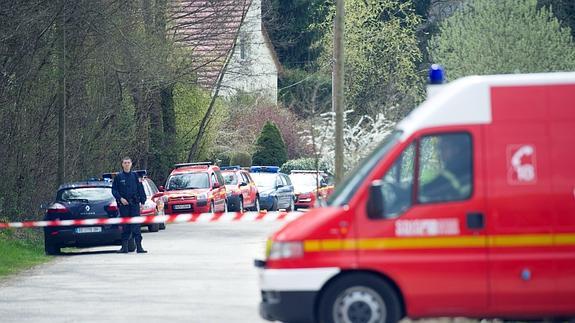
x=194, y=188
x=309, y=185
x=241, y=190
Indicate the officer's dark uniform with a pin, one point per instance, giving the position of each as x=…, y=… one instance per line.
x=128, y=186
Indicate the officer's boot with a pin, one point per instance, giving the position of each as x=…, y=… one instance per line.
x=139, y=248
x=124, y=247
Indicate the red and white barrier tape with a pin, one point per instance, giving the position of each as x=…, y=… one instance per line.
x=178, y=218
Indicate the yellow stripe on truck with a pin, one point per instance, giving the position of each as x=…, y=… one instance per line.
x=393, y=243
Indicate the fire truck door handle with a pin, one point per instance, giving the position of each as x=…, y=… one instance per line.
x=475, y=220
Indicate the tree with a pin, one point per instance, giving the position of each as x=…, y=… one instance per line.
x=381, y=56
x=271, y=149
x=564, y=10
x=510, y=36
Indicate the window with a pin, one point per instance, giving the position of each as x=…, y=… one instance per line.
x=398, y=184
x=445, y=168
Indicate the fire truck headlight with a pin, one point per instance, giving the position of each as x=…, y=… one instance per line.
x=285, y=250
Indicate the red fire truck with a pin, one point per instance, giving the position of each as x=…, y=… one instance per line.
x=467, y=209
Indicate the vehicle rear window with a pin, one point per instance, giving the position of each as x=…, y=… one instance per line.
x=187, y=181
x=88, y=194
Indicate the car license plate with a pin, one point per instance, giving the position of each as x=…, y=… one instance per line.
x=182, y=206
x=89, y=230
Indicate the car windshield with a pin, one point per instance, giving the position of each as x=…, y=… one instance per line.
x=187, y=181
x=230, y=178
x=304, y=181
x=349, y=186
x=85, y=194
x=264, y=180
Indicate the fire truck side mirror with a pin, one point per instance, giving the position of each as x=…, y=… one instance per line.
x=375, y=207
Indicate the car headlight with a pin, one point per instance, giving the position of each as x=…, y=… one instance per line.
x=203, y=196
x=285, y=250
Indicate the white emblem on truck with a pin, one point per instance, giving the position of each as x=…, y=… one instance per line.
x=521, y=166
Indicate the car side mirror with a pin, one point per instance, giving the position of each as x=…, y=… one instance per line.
x=375, y=203
x=279, y=186
x=161, y=188
x=243, y=184
x=216, y=185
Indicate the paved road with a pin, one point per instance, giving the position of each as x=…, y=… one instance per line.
x=193, y=273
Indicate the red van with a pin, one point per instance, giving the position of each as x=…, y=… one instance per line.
x=467, y=209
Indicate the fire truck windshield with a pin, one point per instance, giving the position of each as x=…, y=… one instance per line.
x=353, y=180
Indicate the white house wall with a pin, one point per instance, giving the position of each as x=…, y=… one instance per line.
x=256, y=72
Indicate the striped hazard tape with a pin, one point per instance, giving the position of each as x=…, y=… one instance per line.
x=179, y=218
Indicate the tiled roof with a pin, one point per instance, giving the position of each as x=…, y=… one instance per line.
x=209, y=29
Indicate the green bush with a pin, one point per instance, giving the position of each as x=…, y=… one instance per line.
x=303, y=164
x=241, y=158
x=270, y=147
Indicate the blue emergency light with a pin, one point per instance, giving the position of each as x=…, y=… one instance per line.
x=264, y=169
x=436, y=74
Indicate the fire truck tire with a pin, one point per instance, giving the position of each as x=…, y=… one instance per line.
x=50, y=248
x=359, y=298
x=154, y=227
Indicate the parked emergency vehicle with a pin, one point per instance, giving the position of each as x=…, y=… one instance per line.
x=194, y=188
x=467, y=209
x=310, y=187
x=241, y=190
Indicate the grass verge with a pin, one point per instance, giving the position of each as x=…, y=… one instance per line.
x=20, y=249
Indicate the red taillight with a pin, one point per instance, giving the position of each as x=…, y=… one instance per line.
x=113, y=207
x=57, y=208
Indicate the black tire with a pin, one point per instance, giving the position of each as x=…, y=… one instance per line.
x=291, y=206
x=256, y=206
x=162, y=226
x=274, y=206
x=240, y=205
x=359, y=297
x=154, y=227
x=50, y=248
x=131, y=245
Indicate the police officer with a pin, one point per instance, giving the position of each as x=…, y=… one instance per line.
x=129, y=193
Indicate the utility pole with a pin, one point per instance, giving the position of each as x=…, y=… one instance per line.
x=337, y=87
x=62, y=107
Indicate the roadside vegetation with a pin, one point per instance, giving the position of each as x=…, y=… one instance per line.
x=20, y=250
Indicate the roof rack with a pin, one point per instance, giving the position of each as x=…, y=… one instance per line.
x=265, y=169
x=192, y=164
x=235, y=167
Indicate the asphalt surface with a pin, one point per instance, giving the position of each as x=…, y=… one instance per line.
x=192, y=273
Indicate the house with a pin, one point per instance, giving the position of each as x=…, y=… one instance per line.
x=228, y=41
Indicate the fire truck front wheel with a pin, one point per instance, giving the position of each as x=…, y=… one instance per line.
x=356, y=298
